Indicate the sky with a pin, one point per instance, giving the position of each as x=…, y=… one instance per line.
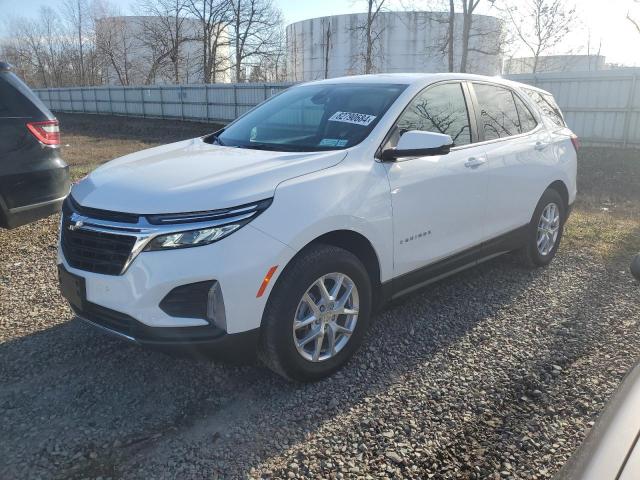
x=601, y=20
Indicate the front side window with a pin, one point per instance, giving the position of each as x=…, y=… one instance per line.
x=312, y=117
x=547, y=106
x=439, y=109
x=498, y=114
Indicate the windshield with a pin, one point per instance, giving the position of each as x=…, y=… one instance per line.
x=312, y=117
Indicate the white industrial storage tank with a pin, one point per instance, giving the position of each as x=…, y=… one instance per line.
x=334, y=46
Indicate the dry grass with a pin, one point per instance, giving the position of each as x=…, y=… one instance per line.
x=606, y=216
x=89, y=140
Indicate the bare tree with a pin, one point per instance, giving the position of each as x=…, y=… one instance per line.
x=215, y=18
x=273, y=67
x=634, y=21
x=540, y=25
x=164, y=32
x=462, y=35
x=370, y=32
x=76, y=15
x=254, y=32
x=115, y=42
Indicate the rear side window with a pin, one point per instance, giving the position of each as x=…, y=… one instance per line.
x=17, y=100
x=527, y=121
x=439, y=109
x=547, y=105
x=498, y=113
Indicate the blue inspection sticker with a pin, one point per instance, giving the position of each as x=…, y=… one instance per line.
x=342, y=143
x=329, y=142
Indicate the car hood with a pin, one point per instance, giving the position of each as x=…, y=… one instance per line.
x=192, y=175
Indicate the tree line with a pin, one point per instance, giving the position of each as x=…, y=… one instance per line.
x=91, y=42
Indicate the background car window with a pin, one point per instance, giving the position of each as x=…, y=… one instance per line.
x=527, y=121
x=547, y=106
x=439, y=109
x=498, y=114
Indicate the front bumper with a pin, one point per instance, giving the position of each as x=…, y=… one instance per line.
x=208, y=341
x=238, y=263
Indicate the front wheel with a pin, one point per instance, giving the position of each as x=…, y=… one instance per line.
x=316, y=315
x=545, y=230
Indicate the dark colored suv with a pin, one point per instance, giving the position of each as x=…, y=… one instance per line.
x=33, y=178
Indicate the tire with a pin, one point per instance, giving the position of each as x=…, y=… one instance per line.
x=531, y=255
x=278, y=348
x=635, y=267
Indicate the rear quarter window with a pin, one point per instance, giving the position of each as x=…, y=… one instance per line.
x=547, y=106
x=498, y=113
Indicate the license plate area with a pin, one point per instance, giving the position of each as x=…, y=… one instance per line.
x=72, y=287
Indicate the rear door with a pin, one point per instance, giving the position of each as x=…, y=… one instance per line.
x=517, y=148
x=438, y=201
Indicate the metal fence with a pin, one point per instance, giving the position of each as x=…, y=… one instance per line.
x=208, y=103
x=602, y=107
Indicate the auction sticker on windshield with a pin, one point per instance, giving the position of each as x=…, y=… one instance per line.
x=350, y=117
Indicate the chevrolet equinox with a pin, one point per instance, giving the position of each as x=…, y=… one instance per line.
x=281, y=233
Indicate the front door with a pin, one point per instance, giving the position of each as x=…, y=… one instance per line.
x=438, y=201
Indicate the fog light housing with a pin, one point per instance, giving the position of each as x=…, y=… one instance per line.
x=215, y=307
x=197, y=300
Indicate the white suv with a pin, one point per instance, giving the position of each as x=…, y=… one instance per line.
x=282, y=233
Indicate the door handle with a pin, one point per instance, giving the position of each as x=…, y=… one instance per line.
x=474, y=162
x=540, y=146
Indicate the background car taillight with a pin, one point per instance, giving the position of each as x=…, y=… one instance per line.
x=46, y=132
x=576, y=142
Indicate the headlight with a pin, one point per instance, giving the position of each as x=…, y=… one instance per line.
x=192, y=238
x=211, y=226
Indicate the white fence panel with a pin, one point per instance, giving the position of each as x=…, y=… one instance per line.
x=601, y=107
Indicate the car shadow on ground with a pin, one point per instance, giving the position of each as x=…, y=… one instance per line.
x=88, y=404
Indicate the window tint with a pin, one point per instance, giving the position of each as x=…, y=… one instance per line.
x=547, y=106
x=439, y=109
x=498, y=114
x=527, y=122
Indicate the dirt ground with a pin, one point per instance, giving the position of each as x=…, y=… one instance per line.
x=497, y=372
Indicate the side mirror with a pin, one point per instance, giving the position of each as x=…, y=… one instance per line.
x=416, y=143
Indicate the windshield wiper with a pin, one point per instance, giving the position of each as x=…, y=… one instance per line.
x=271, y=147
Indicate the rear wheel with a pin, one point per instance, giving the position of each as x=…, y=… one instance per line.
x=545, y=230
x=316, y=315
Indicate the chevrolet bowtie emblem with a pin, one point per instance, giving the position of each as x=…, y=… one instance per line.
x=76, y=226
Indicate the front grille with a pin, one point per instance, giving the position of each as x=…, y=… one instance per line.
x=95, y=252
x=70, y=205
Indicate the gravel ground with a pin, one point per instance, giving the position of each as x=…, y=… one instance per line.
x=497, y=372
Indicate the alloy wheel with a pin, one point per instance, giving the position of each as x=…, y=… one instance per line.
x=548, y=229
x=326, y=317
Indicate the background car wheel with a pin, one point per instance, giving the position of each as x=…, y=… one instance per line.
x=545, y=230
x=317, y=314
x=635, y=266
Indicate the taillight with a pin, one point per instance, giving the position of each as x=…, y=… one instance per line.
x=46, y=132
x=576, y=142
